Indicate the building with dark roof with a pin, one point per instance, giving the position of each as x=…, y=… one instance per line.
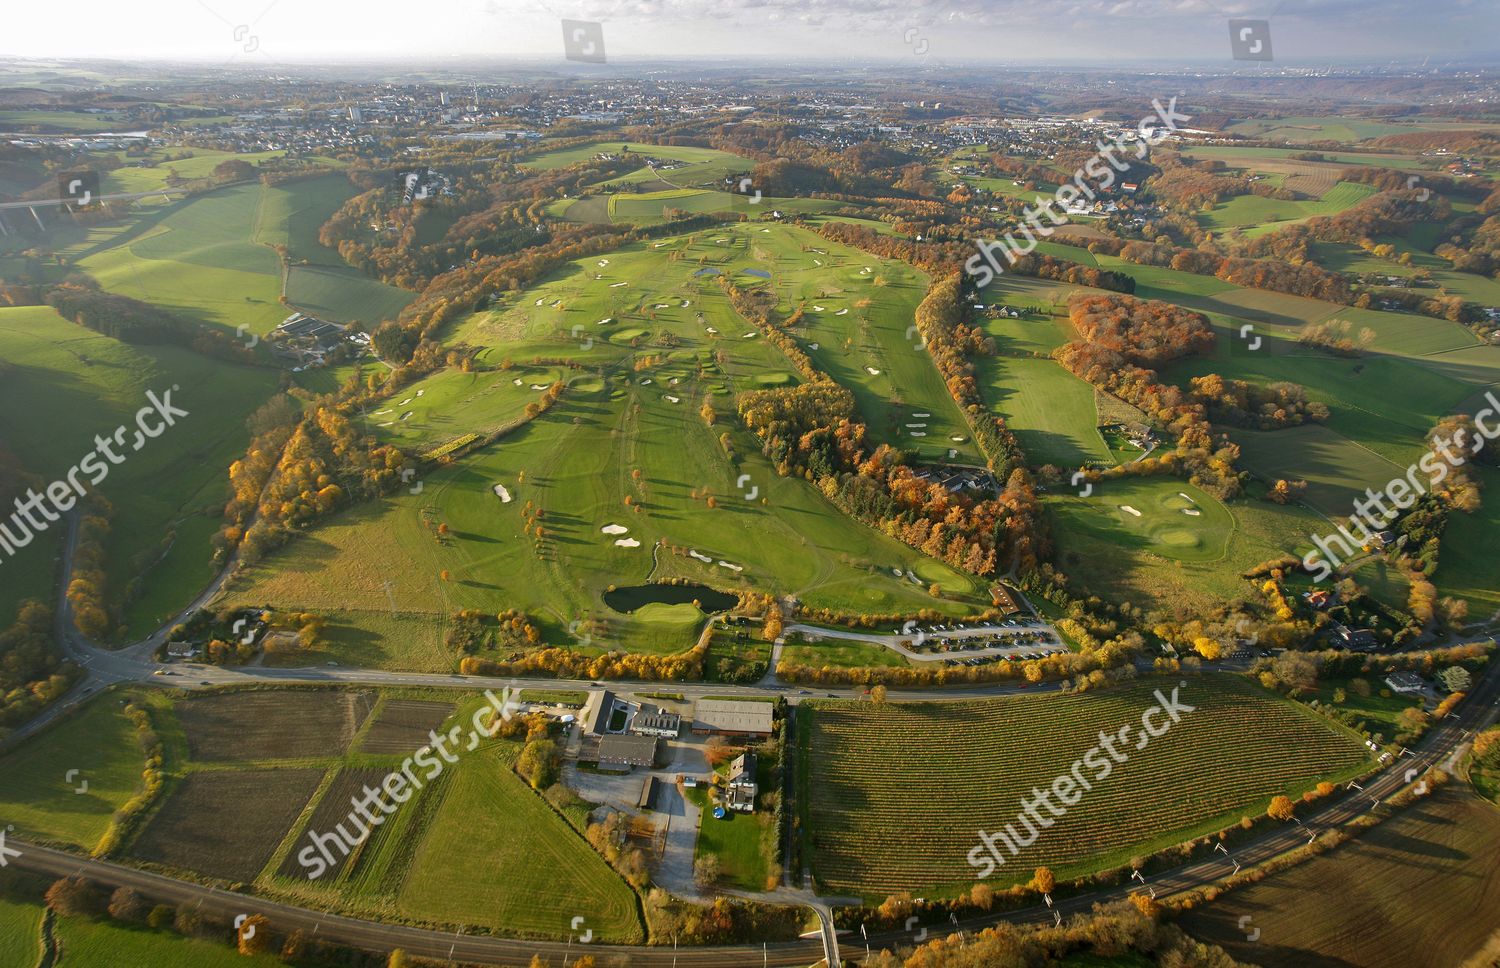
x=618, y=750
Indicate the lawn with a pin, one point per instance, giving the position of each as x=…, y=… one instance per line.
x=929, y=776
x=108, y=944
x=20, y=932
x=1151, y=515
x=841, y=655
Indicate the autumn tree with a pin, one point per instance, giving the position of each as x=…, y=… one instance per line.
x=254, y=935
x=1281, y=808
x=1044, y=880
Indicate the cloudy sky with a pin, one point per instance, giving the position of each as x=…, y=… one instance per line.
x=926, y=31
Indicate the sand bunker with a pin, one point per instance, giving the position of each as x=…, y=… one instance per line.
x=749, y=335
x=627, y=543
x=1185, y=497
x=404, y=402
x=672, y=399
x=918, y=433
x=382, y=413
x=817, y=309
x=502, y=493
x=714, y=331
x=539, y=302
x=872, y=371
x=812, y=346
x=406, y=415
x=725, y=564
x=645, y=381
x=1129, y=510
x=701, y=557
x=615, y=529
x=842, y=312
x=921, y=415
x=1192, y=511
x=616, y=285
x=539, y=386
x=517, y=381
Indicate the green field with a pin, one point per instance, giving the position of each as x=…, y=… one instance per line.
x=1165, y=557
x=168, y=498
x=198, y=257
x=1269, y=214
x=929, y=776
x=550, y=873
x=98, y=742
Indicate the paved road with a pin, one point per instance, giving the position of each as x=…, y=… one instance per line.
x=134, y=664
x=1442, y=743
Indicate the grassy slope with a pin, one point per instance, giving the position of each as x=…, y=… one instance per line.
x=93, y=384
x=318, y=281
x=198, y=257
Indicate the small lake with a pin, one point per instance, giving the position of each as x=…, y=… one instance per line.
x=758, y=273
x=707, y=271
x=632, y=597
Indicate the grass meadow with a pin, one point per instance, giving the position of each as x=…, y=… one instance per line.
x=168, y=497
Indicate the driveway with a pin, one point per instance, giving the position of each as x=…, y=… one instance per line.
x=674, y=870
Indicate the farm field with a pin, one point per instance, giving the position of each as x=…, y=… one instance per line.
x=20, y=932
x=1259, y=214
x=198, y=257
x=226, y=823
x=240, y=817
x=550, y=874
x=929, y=776
x=38, y=798
x=287, y=725
x=1432, y=862
x=174, y=487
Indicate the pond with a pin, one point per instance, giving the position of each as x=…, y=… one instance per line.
x=632, y=597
